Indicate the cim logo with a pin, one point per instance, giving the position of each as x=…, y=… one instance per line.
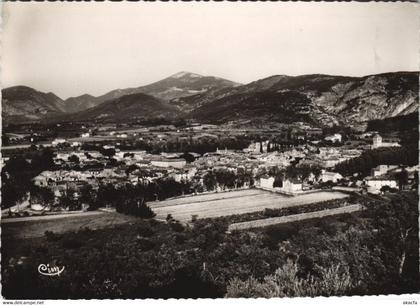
x=50, y=271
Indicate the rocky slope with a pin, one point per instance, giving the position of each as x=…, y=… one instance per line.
x=283, y=106
x=373, y=97
x=321, y=98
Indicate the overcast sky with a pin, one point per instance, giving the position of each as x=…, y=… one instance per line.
x=76, y=48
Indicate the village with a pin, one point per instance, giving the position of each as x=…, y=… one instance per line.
x=303, y=161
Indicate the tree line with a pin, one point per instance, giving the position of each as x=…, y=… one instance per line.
x=227, y=179
x=188, y=143
x=369, y=159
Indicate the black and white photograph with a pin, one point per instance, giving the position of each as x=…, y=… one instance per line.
x=209, y=150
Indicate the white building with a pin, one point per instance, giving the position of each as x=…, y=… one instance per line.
x=58, y=141
x=41, y=180
x=182, y=175
x=85, y=135
x=3, y=161
x=381, y=170
x=334, y=138
x=80, y=155
x=175, y=163
x=288, y=185
x=291, y=186
x=257, y=147
x=328, y=151
x=62, y=155
x=119, y=155
x=266, y=182
x=378, y=141
x=330, y=176
x=94, y=154
x=330, y=162
x=374, y=184
x=109, y=147
x=170, y=155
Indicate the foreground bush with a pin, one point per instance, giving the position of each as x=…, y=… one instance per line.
x=285, y=282
x=136, y=208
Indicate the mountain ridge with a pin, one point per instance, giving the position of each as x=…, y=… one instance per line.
x=21, y=103
x=316, y=98
x=126, y=107
x=177, y=85
x=328, y=99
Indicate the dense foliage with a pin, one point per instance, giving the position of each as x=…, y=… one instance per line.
x=226, y=179
x=18, y=172
x=187, y=143
x=398, y=123
x=372, y=158
x=286, y=282
x=136, y=207
x=376, y=252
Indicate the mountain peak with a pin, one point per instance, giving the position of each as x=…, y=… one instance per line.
x=19, y=88
x=185, y=74
x=83, y=96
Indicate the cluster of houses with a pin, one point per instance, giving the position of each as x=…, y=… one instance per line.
x=139, y=166
x=324, y=157
x=382, y=177
x=295, y=186
x=286, y=186
x=93, y=169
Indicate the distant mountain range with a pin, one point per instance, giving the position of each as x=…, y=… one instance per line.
x=318, y=99
x=178, y=85
x=22, y=104
x=314, y=98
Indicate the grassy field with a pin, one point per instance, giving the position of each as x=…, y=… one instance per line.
x=238, y=202
x=36, y=228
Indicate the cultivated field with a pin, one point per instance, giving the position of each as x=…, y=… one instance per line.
x=292, y=218
x=205, y=197
x=237, y=202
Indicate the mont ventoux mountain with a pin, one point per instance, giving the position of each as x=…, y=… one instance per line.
x=322, y=100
